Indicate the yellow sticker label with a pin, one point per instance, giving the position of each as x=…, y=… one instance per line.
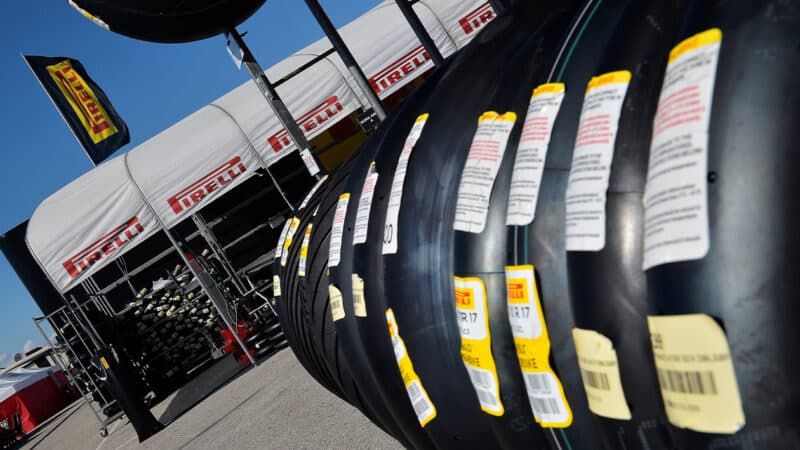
x=276, y=285
x=420, y=401
x=472, y=314
x=600, y=373
x=620, y=76
x=336, y=302
x=301, y=264
x=359, y=302
x=695, y=372
x=707, y=37
x=103, y=362
x=544, y=388
x=287, y=242
x=549, y=88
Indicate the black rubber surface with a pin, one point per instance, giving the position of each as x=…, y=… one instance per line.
x=170, y=20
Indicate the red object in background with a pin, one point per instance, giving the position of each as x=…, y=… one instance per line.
x=231, y=346
x=38, y=401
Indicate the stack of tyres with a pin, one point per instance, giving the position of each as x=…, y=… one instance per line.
x=370, y=357
x=305, y=311
x=573, y=268
x=417, y=276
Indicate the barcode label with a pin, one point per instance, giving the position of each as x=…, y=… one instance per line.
x=597, y=380
x=545, y=406
x=686, y=382
x=480, y=379
x=545, y=398
x=485, y=387
x=422, y=406
x=359, y=299
x=336, y=302
x=538, y=383
x=486, y=398
x=399, y=350
x=602, y=382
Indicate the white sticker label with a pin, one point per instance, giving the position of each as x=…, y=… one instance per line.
x=483, y=162
x=532, y=152
x=301, y=264
x=287, y=243
x=308, y=160
x=279, y=248
x=312, y=192
x=364, y=206
x=396, y=196
x=675, y=199
x=591, y=161
x=359, y=302
x=337, y=230
x=276, y=285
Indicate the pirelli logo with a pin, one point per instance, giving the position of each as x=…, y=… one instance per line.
x=83, y=101
x=110, y=243
x=477, y=18
x=399, y=69
x=309, y=122
x=207, y=185
x=465, y=298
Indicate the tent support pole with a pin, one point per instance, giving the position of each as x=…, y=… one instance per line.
x=293, y=130
x=347, y=57
x=419, y=29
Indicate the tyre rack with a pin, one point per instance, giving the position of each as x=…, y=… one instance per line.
x=79, y=350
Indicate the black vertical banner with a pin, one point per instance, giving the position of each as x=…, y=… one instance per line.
x=82, y=104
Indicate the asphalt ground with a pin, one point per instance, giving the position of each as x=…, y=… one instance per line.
x=276, y=405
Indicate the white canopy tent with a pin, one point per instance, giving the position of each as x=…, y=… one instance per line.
x=111, y=209
x=86, y=224
x=21, y=379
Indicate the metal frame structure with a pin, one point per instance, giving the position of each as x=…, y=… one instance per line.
x=69, y=318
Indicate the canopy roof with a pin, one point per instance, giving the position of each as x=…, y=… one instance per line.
x=116, y=206
x=19, y=379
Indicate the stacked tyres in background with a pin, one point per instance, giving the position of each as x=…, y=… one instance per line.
x=603, y=264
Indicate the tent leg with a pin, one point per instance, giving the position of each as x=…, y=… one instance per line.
x=275, y=102
x=347, y=57
x=419, y=29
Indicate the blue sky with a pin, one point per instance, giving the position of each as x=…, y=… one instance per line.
x=151, y=85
